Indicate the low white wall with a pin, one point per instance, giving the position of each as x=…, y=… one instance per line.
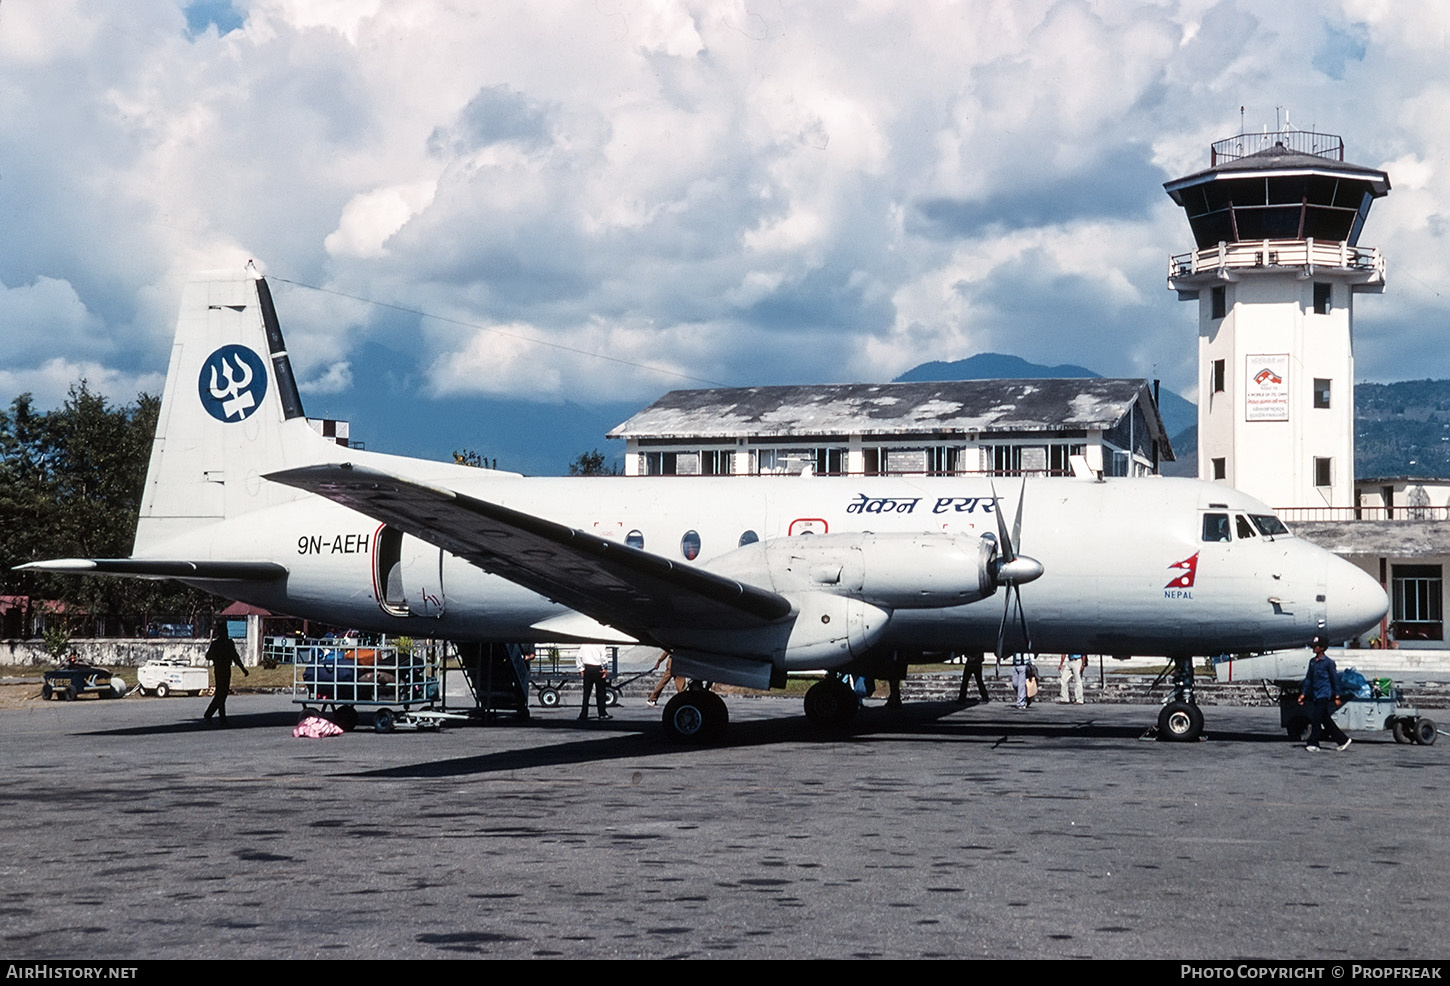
x=106, y=651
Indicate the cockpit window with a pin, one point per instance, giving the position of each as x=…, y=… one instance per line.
x=1269, y=525
x=1215, y=527
x=1242, y=527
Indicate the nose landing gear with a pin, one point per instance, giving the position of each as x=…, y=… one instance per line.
x=1181, y=720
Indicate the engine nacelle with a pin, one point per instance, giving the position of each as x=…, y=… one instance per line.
x=893, y=571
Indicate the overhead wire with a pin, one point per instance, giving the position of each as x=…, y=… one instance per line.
x=533, y=340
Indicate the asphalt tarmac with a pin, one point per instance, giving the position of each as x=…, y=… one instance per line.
x=128, y=830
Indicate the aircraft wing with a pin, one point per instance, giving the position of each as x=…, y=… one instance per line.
x=614, y=583
x=163, y=568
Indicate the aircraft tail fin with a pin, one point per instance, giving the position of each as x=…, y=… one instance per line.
x=230, y=412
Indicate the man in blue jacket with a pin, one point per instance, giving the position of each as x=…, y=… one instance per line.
x=1321, y=689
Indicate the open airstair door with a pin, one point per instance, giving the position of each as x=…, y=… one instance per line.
x=407, y=574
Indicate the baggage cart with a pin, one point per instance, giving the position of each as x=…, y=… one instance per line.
x=337, y=676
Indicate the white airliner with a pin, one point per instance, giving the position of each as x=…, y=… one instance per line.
x=745, y=579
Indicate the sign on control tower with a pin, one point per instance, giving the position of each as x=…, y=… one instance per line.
x=1276, y=220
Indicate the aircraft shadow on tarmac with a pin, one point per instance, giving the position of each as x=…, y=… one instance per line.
x=917, y=722
x=235, y=722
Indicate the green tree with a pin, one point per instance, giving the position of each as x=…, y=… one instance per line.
x=71, y=482
x=592, y=464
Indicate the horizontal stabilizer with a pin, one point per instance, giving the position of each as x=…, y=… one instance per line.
x=163, y=568
x=624, y=587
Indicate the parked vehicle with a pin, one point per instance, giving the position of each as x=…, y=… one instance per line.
x=163, y=676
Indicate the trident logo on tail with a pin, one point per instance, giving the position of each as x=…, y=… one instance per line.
x=232, y=384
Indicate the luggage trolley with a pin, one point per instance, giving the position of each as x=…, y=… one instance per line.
x=342, y=674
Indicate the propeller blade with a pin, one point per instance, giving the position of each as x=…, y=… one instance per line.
x=1009, y=551
x=1017, y=523
x=1012, y=570
x=1002, y=627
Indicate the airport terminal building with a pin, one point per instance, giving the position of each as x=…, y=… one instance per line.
x=1109, y=427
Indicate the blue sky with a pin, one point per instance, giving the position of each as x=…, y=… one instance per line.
x=734, y=193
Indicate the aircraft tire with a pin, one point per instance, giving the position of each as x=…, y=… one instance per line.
x=719, y=720
x=692, y=717
x=1180, y=722
x=1400, y=730
x=1424, y=732
x=831, y=704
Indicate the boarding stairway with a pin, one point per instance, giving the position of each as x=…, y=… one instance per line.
x=497, y=675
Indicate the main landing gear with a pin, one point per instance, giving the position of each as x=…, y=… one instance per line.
x=1181, y=720
x=696, y=715
x=831, y=704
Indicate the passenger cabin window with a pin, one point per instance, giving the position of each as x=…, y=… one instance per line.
x=1215, y=527
x=635, y=540
x=749, y=537
x=1242, y=527
x=690, y=546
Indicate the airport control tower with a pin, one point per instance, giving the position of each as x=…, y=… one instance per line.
x=1276, y=221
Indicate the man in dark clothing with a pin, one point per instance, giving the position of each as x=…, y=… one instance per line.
x=972, y=668
x=1321, y=694
x=222, y=654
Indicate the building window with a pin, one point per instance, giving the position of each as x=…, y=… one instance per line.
x=1218, y=299
x=1416, y=591
x=830, y=461
x=1006, y=459
x=1323, y=472
x=1219, y=376
x=1322, y=298
x=658, y=463
x=717, y=462
x=942, y=460
x=873, y=461
x=1220, y=468
x=1321, y=392
x=1059, y=458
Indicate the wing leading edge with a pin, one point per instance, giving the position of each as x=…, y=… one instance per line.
x=163, y=568
x=620, y=586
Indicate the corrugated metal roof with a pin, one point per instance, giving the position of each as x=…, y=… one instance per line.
x=893, y=409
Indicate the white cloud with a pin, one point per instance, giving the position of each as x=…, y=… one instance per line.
x=738, y=192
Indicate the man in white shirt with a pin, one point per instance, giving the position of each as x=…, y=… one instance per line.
x=590, y=662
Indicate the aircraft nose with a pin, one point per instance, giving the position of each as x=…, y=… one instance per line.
x=1354, y=601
